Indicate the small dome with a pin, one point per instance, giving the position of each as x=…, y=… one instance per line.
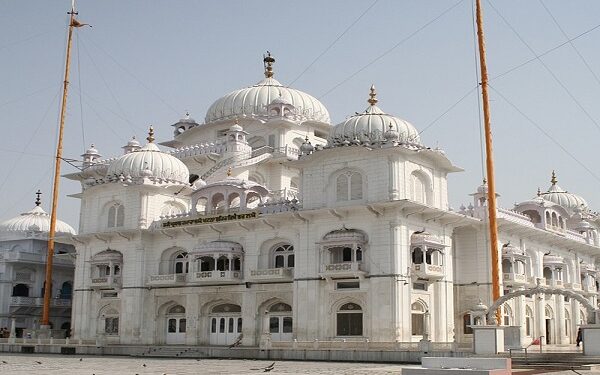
x=424, y=238
x=149, y=161
x=236, y=128
x=567, y=200
x=374, y=123
x=36, y=221
x=187, y=119
x=133, y=142
x=510, y=250
x=253, y=101
x=480, y=307
x=92, y=150
x=553, y=259
x=306, y=147
x=346, y=235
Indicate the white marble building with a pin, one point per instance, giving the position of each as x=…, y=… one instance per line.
x=23, y=248
x=268, y=224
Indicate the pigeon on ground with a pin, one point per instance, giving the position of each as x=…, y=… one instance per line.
x=38, y=362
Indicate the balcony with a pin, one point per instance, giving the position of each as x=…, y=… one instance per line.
x=512, y=278
x=554, y=283
x=428, y=271
x=106, y=282
x=216, y=277
x=346, y=269
x=38, y=302
x=168, y=279
x=588, y=288
x=272, y=274
x=574, y=286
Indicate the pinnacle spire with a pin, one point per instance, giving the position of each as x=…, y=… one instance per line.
x=150, y=137
x=372, y=96
x=38, y=200
x=553, y=180
x=268, y=61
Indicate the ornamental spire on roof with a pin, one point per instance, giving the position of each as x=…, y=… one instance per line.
x=38, y=201
x=150, y=137
x=553, y=180
x=268, y=61
x=372, y=96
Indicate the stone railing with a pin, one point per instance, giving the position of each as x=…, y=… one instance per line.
x=272, y=274
x=515, y=278
x=215, y=147
x=220, y=276
x=39, y=301
x=428, y=271
x=572, y=235
x=515, y=217
x=167, y=279
x=341, y=267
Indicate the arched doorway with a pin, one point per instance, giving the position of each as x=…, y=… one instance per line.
x=549, y=318
x=280, y=322
x=66, y=290
x=176, y=325
x=225, y=324
x=20, y=290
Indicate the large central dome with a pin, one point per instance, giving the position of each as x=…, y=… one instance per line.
x=252, y=101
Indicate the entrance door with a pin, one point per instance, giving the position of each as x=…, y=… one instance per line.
x=225, y=330
x=176, y=325
x=548, y=331
x=280, y=328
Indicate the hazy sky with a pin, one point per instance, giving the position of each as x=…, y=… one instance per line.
x=147, y=62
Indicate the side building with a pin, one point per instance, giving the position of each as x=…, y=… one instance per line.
x=23, y=252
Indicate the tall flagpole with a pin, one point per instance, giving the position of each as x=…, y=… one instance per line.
x=50, y=255
x=489, y=162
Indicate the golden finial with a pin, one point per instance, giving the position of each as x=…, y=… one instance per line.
x=372, y=96
x=236, y=121
x=484, y=181
x=539, y=192
x=229, y=172
x=553, y=180
x=150, y=137
x=268, y=61
x=38, y=201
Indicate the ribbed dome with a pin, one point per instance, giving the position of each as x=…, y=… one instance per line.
x=253, y=101
x=563, y=198
x=36, y=221
x=373, y=124
x=149, y=161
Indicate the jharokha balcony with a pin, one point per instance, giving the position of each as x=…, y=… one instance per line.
x=515, y=279
x=106, y=282
x=344, y=269
x=216, y=276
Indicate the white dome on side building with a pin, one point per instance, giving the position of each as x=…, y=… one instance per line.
x=149, y=161
x=374, y=124
x=252, y=101
x=33, y=223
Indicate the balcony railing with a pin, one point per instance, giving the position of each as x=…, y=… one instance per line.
x=574, y=286
x=346, y=269
x=589, y=288
x=272, y=274
x=512, y=278
x=216, y=276
x=168, y=279
x=38, y=302
x=428, y=271
x=106, y=282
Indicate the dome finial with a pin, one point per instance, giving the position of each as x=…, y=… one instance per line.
x=268, y=61
x=553, y=180
x=150, y=137
x=539, y=191
x=229, y=172
x=38, y=201
x=372, y=96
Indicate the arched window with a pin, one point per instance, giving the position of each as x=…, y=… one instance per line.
x=548, y=219
x=567, y=323
x=116, y=215
x=467, y=329
x=418, y=188
x=417, y=255
x=218, y=203
x=528, y=321
x=201, y=205
x=111, y=322
x=554, y=219
x=283, y=256
x=20, y=290
x=506, y=266
x=349, y=320
x=66, y=290
x=181, y=263
x=417, y=319
x=520, y=267
x=434, y=256
x=507, y=315
x=547, y=273
x=349, y=186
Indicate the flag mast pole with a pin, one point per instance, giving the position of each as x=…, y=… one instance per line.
x=45, y=322
x=489, y=162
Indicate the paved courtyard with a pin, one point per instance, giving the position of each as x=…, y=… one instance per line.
x=88, y=365
x=96, y=365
